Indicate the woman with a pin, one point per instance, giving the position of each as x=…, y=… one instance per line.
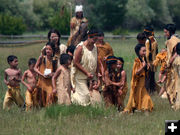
x=84, y=68
x=172, y=40
x=54, y=36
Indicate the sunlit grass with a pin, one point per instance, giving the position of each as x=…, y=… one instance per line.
x=78, y=120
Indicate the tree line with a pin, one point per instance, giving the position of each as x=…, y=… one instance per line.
x=18, y=16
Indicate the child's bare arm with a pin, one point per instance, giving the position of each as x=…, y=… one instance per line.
x=54, y=78
x=5, y=78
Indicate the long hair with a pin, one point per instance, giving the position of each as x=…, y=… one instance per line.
x=54, y=61
x=178, y=48
x=110, y=60
x=171, y=28
x=59, y=35
x=137, y=49
x=122, y=60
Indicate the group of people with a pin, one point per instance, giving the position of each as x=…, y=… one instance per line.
x=85, y=70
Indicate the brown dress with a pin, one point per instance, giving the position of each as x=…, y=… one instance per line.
x=139, y=98
x=64, y=87
x=44, y=85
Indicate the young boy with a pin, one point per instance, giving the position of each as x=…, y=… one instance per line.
x=31, y=76
x=141, y=38
x=12, y=79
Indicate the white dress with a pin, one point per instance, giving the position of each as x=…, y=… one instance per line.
x=79, y=79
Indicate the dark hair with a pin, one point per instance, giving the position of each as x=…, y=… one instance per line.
x=64, y=58
x=101, y=33
x=178, y=48
x=148, y=31
x=71, y=49
x=171, y=28
x=11, y=58
x=54, y=31
x=31, y=61
x=137, y=49
x=92, y=33
x=109, y=61
x=52, y=46
x=141, y=36
x=54, y=61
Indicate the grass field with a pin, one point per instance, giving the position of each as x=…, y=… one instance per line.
x=77, y=120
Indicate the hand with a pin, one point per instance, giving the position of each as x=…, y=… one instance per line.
x=90, y=76
x=95, y=87
x=144, y=64
x=46, y=76
x=29, y=89
x=148, y=66
x=99, y=75
x=54, y=91
x=105, y=58
x=120, y=92
x=73, y=89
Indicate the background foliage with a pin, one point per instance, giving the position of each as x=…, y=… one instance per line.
x=108, y=15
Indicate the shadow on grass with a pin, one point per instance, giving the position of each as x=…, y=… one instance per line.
x=88, y=111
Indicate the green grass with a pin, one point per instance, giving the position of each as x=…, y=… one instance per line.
x=78, y=120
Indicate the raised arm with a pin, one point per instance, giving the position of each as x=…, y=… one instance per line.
x=139, y=70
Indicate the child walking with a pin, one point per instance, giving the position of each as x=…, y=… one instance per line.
x=109, y=77
x=61, y=80
x=31, y=77
x=12, y=79
x=45, y=68
x=139, y=98
x=121, y=82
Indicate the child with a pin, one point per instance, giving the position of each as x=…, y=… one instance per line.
x=139, y=98
x=109, y=77
x=95, y=96
x=121, y=83
x=161, y=58
x=12, y=79
x=62, y=77
x=45, y=68
x=31, y=76
x=141, y=38
x=70, y=50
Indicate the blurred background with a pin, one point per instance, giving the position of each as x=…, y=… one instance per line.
x=119, y=17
